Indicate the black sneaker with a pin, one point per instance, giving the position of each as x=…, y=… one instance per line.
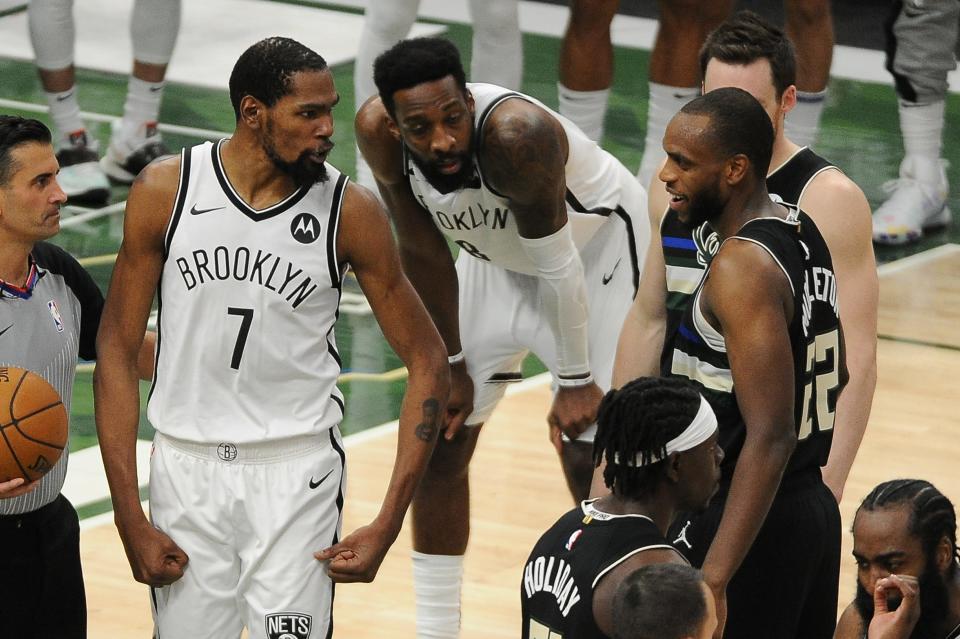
x=81, y=177
x=124, y=161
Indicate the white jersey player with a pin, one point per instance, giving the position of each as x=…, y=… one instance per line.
x=248, y=240
x=551, y=231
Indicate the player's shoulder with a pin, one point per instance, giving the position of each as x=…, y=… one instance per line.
x=850, y=624
x=839, y=209
x=160, y=177
x=378, y=140
x=516, y=121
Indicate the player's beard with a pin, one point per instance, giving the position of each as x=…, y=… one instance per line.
x=441, y=181
x=304, y=171
x=934, y=603
x=704, y=206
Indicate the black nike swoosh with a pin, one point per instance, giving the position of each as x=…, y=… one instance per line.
x=195, y=211
x=6, y=329
x=66, y=96
x=607, y=278
x=314, y=484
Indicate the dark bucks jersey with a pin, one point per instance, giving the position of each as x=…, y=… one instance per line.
x=698, y=351
x=567, y=563
x=687, y=250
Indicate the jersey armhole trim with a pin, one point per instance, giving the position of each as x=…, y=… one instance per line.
x=333, y=228
x=803, y=191
x=630, y=554
x=179, y=200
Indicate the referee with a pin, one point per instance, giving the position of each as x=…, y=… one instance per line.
x=49, y=313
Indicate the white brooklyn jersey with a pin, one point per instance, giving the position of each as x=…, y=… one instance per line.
x=247, y=305
x=478, y=219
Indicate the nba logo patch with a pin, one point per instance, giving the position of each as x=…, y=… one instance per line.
x=55, y=313
x=288, y=625
x=573, y=539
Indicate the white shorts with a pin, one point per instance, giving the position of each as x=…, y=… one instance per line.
x=249, y=518
x=501, y=317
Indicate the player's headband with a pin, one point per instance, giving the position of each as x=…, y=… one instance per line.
x=704, y=424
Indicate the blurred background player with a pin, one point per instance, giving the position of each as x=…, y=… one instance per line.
x=921, y=38
x=749, y=53
x=496, y=57
x=49, y=313
x=664, y=601
x=551, y=230
x=135, y=140
x=906, y=527
x=659, y=438
x=586, y=65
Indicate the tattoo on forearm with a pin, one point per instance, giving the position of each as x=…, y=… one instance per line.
x=427, y=429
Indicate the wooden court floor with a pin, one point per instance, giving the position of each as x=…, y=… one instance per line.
x=518, y=490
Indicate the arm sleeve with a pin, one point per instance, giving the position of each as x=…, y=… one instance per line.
x=564, y=297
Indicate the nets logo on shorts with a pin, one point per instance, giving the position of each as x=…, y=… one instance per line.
x=305, y=228
x=288, y=625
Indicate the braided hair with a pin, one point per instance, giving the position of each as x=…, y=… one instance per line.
x=640, y=419
x=932, y=516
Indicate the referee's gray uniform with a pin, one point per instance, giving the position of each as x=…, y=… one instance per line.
x=43, y=329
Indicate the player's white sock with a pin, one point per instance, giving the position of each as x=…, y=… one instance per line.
x=922, y=128
x=65, y=112
x=586, y=109
x=497, y=53
x=436, y=584
x=142, y=106
x=665, y=101
x=803, y=123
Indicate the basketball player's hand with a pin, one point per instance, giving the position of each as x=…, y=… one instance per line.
x=16, y=487
x=156, y=560
x=899, y=623
x=574, y=409
x=460, y=404
x=359, y=555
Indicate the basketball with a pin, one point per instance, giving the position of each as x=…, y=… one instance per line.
x=33, y=425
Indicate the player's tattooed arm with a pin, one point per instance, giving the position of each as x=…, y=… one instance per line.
x=426, y=430
x=523, y=155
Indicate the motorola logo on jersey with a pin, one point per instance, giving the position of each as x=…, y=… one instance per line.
x=288, y=625
x=305, y=228
x=707, y=242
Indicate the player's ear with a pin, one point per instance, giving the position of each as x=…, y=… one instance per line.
x=393, y=128
x=471, y=105
x=738, y=166
x=250, y=111
x=788, y=100
x=944, y=553
x=673, y=467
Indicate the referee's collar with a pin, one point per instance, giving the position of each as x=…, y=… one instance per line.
x=23, y=292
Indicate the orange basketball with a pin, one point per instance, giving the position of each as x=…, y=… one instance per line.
x=33, y=425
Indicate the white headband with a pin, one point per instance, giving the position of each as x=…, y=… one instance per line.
x=704, y=424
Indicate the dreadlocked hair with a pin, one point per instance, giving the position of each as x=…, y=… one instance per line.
x=639, y=419
x=932, y=516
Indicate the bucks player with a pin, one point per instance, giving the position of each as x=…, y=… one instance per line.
x=761, y=337
x=659, y=437
x=249, y=239
x=550, y=230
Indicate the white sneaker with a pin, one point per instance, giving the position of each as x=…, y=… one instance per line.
x=917, y=202
x=81, y=177
x=126, y=158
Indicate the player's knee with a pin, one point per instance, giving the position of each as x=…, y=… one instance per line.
x=451, y=458
x=495, y=17
x=592, y=16
x=686, y=14
x=806, y=13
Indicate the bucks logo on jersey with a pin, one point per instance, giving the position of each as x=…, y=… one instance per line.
x=707, y=243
